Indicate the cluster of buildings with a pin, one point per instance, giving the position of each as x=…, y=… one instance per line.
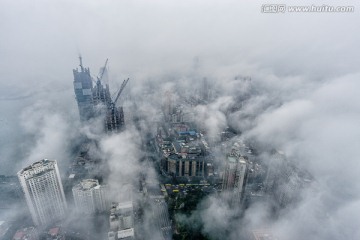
x=246, y=180
x=45, y=198
x=44, y=194
x=32, y=233
x=28, y=233
x=183, y=151
x=242, y=175
x=94, y=100
x=41, y=184
x=284, y=180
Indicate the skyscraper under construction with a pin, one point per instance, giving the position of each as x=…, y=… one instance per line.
x=83, y=87
x=95, y=101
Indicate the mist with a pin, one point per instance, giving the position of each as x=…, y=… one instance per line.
x=302, y=98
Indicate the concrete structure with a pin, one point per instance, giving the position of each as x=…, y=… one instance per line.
x=186, y=167
x=234, y=178
x=126, y=234
x=121, y=221
x=122, y=216
x=44, y=194
x=104, y=107
x=90, y=197
x=95, y=101
x=185, y=153
x=83, y=87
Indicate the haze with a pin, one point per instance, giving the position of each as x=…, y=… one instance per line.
x=304, y=68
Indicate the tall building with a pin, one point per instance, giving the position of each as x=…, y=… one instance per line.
x=43, y=190
x=95, y=101
x=284, y=179
x=90, y=196
x=83, y=87
x=105, y=107
x=234, y=178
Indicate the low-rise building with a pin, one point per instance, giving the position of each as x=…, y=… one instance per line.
x=126, y=234
x=28, y=233
x=122, y=216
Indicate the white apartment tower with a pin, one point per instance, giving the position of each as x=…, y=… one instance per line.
x=90, y=196
x=43, y=190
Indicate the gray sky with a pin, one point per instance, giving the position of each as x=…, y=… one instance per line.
x=307, y=62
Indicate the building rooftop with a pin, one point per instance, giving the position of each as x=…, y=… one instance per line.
x=54, y=231
x=37, y=168
x=126, y=233
x=124, y=205
x=87, y=184
x=28, y=233
x=232, y=159
x=263, y=234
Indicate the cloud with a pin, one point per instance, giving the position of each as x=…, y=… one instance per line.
x=302, y=98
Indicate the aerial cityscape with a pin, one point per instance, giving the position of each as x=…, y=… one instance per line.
x=179, y=120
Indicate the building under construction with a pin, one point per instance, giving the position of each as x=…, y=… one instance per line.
x=94, y=100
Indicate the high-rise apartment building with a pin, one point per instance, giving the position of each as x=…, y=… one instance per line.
x=90, y=196
x=43, y=190
x=234, y=178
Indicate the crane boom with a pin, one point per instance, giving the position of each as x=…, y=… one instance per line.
x=101, y=74
x=121, y=89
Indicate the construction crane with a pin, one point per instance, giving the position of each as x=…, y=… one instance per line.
x=115, y=120
x=120, y=91
x=102, y=71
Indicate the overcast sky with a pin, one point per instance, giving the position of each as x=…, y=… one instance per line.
x=310, y=61
x=40, y=42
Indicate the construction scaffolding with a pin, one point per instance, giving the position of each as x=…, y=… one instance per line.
x=95, y=101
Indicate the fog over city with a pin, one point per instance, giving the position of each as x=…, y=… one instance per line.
x=303, y=96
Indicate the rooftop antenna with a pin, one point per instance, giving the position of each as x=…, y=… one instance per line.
x=81, y=66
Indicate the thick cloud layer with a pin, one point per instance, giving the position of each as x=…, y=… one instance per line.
x=303, y=95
